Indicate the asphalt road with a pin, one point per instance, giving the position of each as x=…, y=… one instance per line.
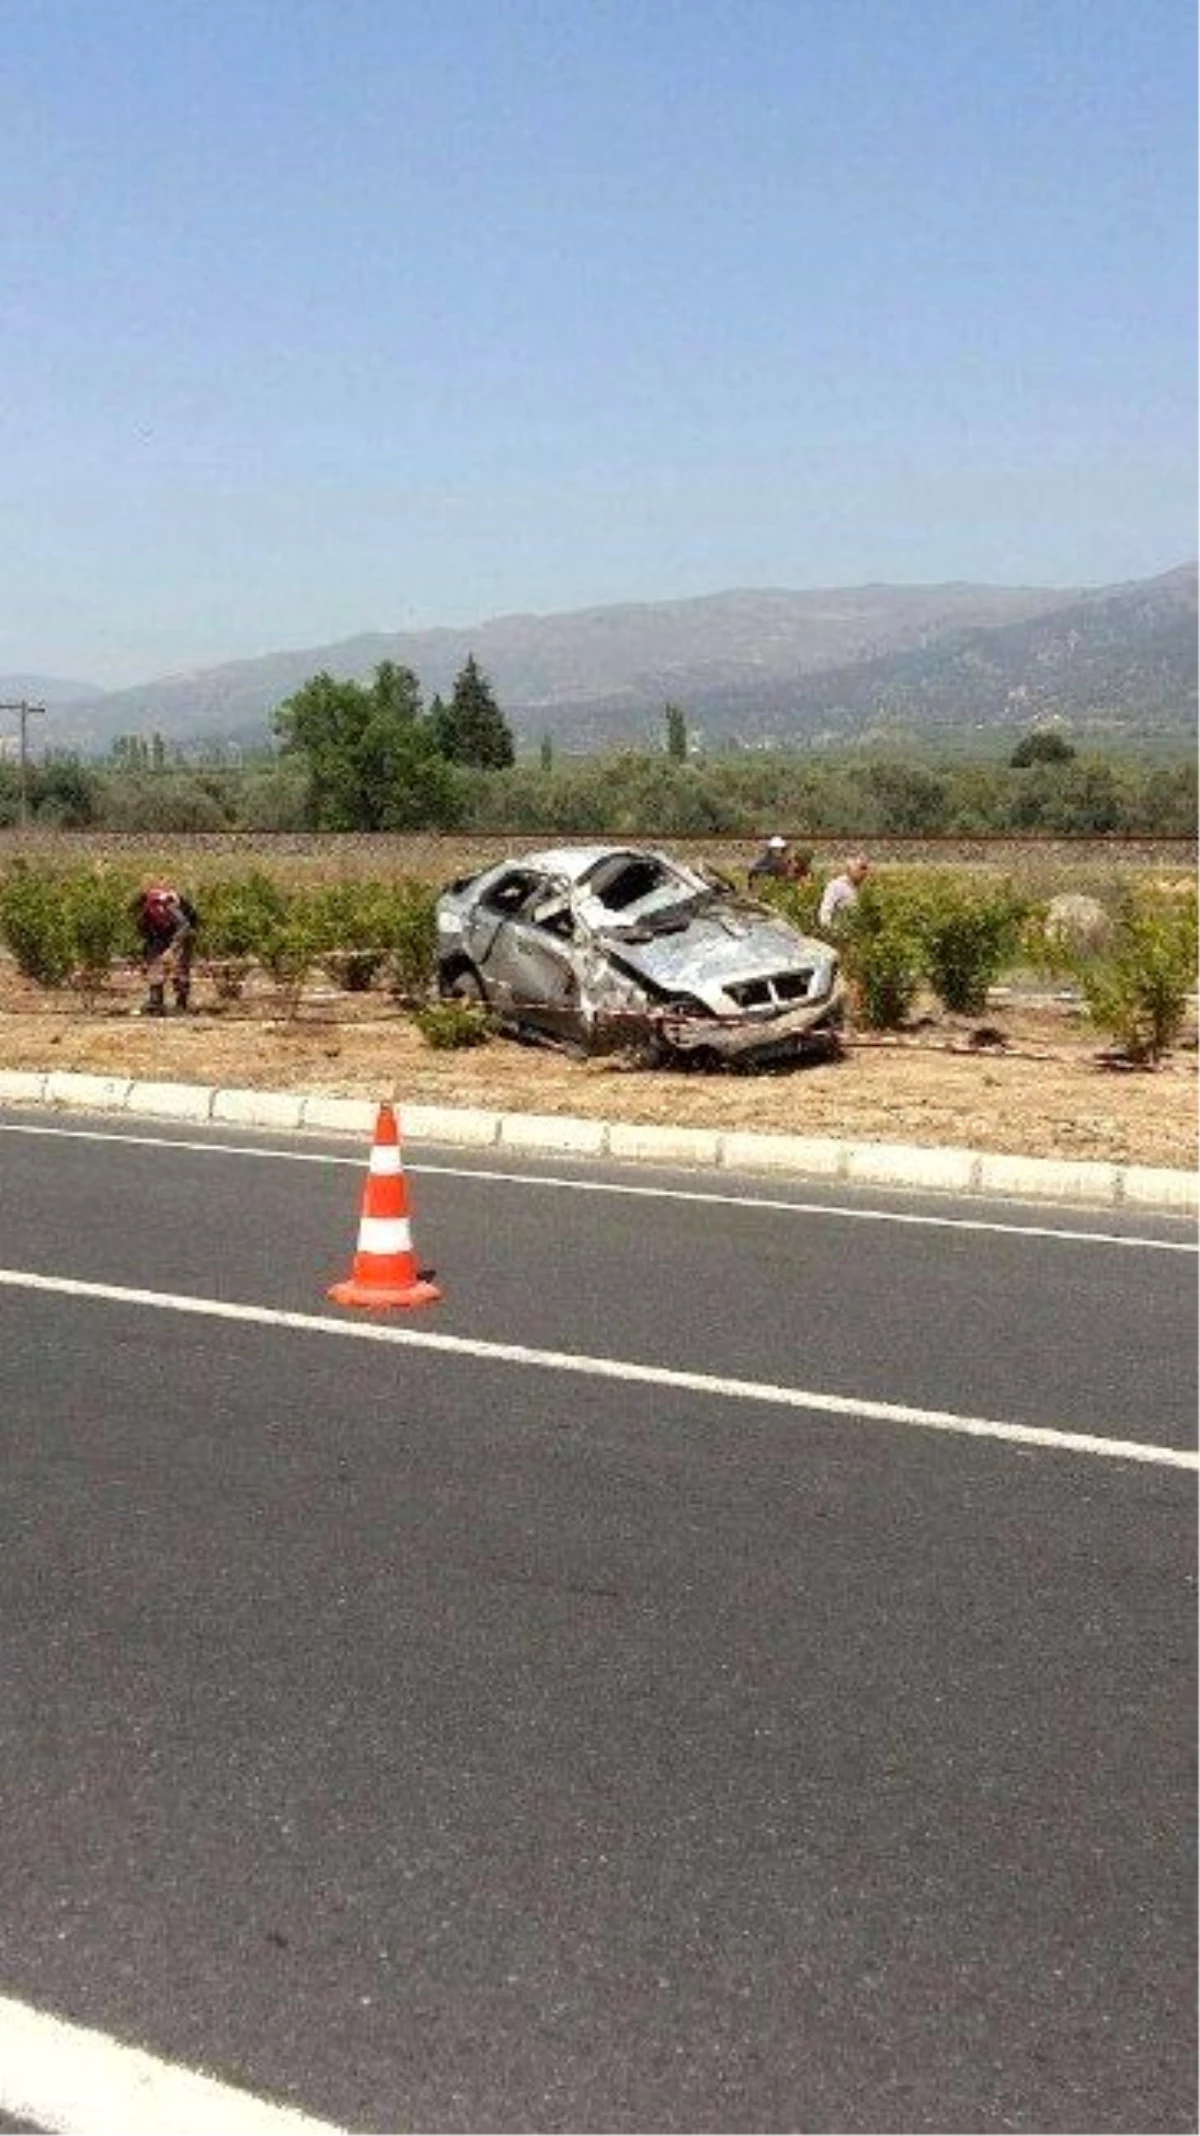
x=442, y=1739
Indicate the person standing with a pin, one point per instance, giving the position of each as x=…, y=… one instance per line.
x=166, y=922
x=840, y=894
x=772, y=863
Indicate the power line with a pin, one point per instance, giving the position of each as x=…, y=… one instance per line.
x=25, y=711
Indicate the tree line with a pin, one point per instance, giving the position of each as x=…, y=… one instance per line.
x=364, y=757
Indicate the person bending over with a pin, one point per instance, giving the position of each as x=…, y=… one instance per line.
x=166, y=923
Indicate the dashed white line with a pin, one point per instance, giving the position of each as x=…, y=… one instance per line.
x=495, y=1176
x=77, y=2082
x=850, y=1407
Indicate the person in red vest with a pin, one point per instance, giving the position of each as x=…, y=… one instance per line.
x=166, y=922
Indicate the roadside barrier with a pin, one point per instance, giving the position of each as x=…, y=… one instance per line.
x=385, y=1271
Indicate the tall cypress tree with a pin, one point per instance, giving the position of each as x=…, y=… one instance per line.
x=472, y=728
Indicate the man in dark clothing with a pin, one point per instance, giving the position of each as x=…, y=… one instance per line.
x=166, y=922
x=773, y=862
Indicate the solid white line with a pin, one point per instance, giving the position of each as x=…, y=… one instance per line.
x=612, y=1368
x=81, y=2083
x=183, y=1142
x=606, y=1186
x=799, y=1208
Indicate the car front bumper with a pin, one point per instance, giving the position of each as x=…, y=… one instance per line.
x=746, y=1038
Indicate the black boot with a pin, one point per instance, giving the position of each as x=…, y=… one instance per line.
x=153, y=1005
x=181, y=999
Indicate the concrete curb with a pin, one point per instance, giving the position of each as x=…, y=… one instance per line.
x=879, y=1164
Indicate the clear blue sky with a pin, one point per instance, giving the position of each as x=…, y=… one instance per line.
x=322, y=316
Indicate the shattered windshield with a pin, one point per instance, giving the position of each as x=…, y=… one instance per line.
x=644, y=891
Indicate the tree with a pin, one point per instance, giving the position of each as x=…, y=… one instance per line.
x=397, y=692
x=371, y=756
x=910, y=801
x=472, y=729
x=1076, y=800
x=129, y=752
x=1044, y=746
x=64, y=793
x=676, y=719
x=546, y=754
x=1091, y=800
x=1168, y=802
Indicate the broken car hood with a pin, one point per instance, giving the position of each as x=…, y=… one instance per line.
x=713, y=951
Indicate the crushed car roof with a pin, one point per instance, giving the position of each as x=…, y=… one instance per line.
x=574, y=862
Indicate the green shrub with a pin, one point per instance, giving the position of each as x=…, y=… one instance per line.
x=355, y=920
x=881, y=952
x=887, y=979
x=33, y=923
x=1139, y=991
x=412, y=939
x=272, y=798
x=63, y=794
x=1043, y=950
x=99, y=925
x=161, y=802
x=292, y=944
x=968, y=935
x=798, y=902
x=449, y=1025
x=1186, y=908
x=237, y=916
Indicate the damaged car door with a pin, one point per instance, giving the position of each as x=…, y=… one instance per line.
x=523, y=941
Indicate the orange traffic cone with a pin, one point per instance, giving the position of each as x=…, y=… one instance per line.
x=385, y=1268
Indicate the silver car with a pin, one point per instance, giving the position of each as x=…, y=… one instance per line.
x=599, y=947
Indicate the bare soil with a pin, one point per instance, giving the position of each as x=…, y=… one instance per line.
x=1032, y=1080
x=1038, y=865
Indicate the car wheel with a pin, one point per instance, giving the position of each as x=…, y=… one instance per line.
x=828, y=1046
x=467, y=985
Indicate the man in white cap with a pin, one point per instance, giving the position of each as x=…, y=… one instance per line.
x=772, y=861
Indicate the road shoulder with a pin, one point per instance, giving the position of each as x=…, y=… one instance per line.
x=885, y=1164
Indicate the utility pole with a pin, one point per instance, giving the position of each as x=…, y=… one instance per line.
x=25, y=712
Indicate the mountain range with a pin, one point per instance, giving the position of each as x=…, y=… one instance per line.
x=44, y=690
x=755, y=667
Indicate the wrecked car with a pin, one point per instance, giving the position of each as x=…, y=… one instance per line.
x=596, y=948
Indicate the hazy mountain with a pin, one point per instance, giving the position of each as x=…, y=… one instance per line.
x=43, y=690
x=1119, y=663
x=636, y=651
x=755, y=665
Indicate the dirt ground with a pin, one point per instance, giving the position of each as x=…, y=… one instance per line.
x=1040, y=867
x=1038, y=1085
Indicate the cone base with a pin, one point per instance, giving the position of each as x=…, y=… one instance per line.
x=384, y=1294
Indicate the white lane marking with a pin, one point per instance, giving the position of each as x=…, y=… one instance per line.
x=82, y=2083
x=606, y=1186
x=800, y=1208
x=611, y=1368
